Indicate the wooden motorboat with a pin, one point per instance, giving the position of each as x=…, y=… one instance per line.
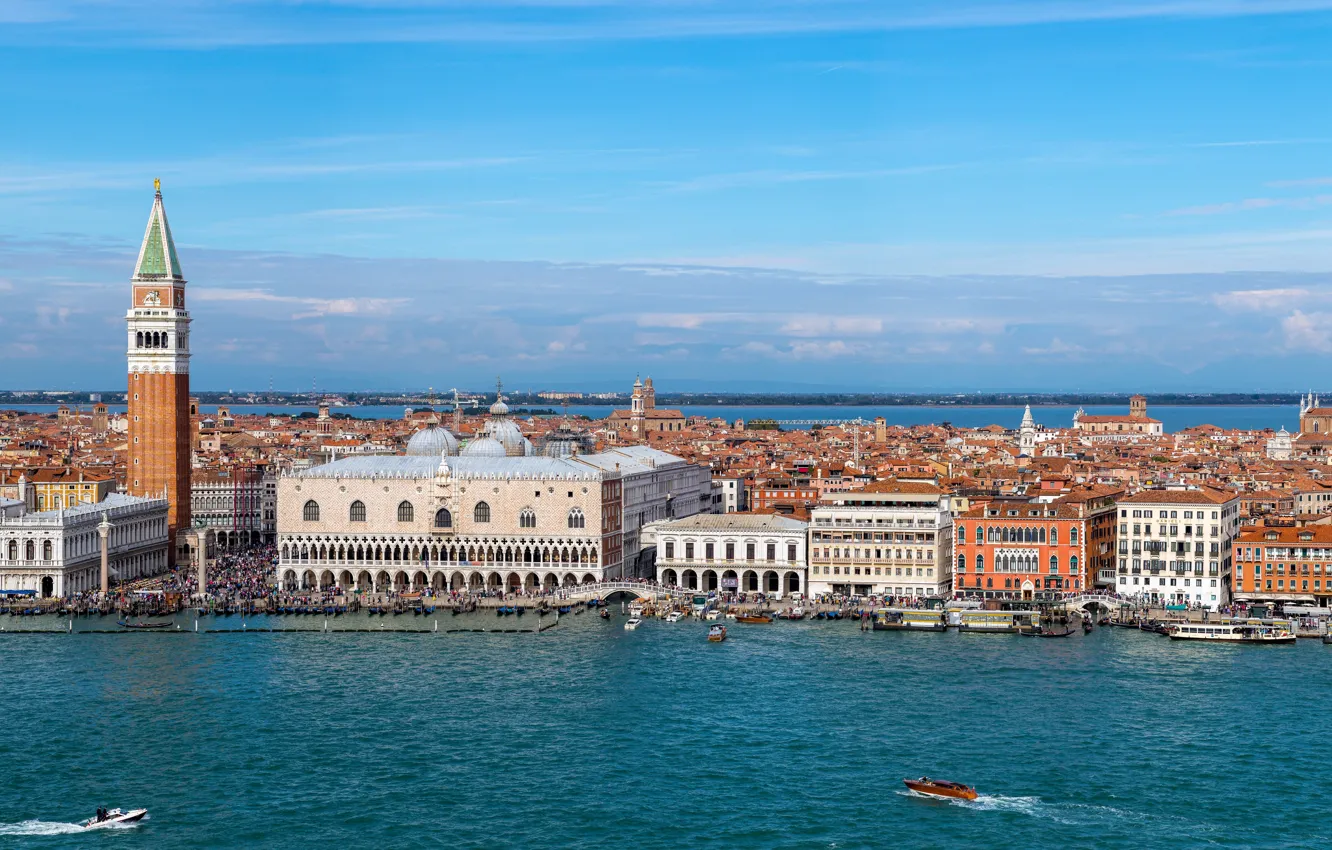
x=126, y=625
x=717, y=633
x=941, y=788
x=753, y=618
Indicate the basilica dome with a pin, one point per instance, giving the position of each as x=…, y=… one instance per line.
x=507, y=433
x=432, y=441
x=484, y=447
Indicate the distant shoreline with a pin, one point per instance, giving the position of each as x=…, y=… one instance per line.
x=667, y=400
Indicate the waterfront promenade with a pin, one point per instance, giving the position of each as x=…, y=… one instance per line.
x=785, y=736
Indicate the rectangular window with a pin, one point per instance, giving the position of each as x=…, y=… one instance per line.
x=670, y=549
x=730, y=551
x=749, y=552
x=689, y=550
x=772, y=551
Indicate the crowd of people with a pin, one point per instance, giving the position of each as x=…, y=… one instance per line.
x=241, y=575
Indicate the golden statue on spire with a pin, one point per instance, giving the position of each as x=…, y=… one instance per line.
x=157, y=185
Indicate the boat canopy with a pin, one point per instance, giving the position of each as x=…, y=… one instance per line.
x=18, y=593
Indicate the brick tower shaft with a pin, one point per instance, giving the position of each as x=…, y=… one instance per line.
x=159, y=376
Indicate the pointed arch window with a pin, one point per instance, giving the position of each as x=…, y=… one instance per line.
x=481, y=513
x=443, y=519
x=311, y=511
x=527, y=518
x=406, y=513
x=357, y=512
x=1054, y=536
x=576, y=518
x=980, y=563
x=1054, y=563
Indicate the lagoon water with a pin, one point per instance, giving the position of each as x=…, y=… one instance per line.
x=1173, y=417
x=785, y=736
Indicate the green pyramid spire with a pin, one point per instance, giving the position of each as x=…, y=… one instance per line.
x=157, y=255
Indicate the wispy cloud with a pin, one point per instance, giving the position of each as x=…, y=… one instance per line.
x=1249, y=204
x=769, y=177
x=315, y=307
x=1259, y=143
x=211, y=23
x=1308, y=181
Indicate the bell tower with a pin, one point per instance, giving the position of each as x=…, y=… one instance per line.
x=158, y=398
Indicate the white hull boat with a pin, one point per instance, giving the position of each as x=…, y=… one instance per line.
x=116, y=817
x=633, y=623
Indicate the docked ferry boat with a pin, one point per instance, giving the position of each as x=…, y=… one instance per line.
x=891, y=620
x=998, y=622
x=1251, y=632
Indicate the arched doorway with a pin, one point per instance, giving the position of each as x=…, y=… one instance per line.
x=1027, y=589
x=48, y=586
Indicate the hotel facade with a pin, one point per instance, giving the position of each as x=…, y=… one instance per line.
x=890, y=538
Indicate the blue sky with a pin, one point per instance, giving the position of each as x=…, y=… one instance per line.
x=895, y=195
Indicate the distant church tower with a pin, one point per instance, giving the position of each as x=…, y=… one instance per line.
x=159, y=375
x=1027, y=434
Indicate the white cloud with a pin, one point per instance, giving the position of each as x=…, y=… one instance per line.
x=815, y=325
x=1244, y=300
x=1057, y=347
x=316, y=306
x=1308, y=331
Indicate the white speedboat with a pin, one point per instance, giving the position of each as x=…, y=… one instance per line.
x=115, y=817
x=633, y=623
x=673, y=617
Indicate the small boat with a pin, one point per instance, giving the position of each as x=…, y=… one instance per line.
x=941, y=788
x=1051, y=634
x=633, y=623
x=717, y=633
x=712, y=614
x=126, y=625
x=753, y=618
x=114, y=817
x=1086, y=625
x=1327, y=639
x=605, y=614
x=673, y=617
x=564, y=609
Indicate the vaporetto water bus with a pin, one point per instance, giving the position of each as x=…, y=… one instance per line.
x=998, y=622
x=894, y=619
x=1252, y=631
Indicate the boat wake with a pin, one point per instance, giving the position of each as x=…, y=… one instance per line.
x=1068, y=814
x=42, y=827
x=39, y=827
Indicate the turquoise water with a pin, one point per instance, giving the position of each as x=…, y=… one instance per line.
x=1173, y=417
x=785, y=736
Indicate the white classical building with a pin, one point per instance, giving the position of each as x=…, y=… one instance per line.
x=890, y=538
x=472, y=521
x=732, y=553
x=59, y=552
x=657, y=486
x=1175, y=545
